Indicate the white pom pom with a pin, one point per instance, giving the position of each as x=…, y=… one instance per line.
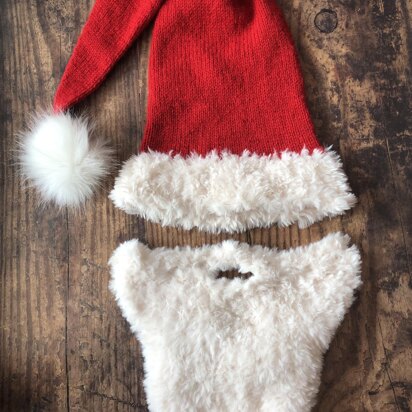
x=58, y=159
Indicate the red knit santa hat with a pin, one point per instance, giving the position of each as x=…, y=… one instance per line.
x=228, y=144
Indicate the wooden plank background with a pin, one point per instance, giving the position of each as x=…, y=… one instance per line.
x=64, y=344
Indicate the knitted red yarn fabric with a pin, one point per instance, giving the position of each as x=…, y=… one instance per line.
x=223, y=75
x=110, y=29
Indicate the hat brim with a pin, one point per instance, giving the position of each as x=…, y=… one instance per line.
x=230, y=193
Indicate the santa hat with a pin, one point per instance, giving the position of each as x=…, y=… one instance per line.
x=229, y=143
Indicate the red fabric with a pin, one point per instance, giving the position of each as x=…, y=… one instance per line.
x=109, y=31
x=223, y=74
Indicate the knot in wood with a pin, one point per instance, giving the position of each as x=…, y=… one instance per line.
x=326, y=21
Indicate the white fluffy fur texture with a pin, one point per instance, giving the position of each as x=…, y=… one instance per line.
x=234, y=345
x=58, y=159
x=233, y=193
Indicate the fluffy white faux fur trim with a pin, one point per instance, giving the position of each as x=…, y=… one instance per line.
x=58, y=159
x=233, y=193
x=234, y=345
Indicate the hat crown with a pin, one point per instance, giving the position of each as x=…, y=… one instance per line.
x=224, y=76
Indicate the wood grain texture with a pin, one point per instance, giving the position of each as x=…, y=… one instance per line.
x=64, y=344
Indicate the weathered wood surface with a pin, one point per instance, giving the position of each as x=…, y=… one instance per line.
x=64, y=344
